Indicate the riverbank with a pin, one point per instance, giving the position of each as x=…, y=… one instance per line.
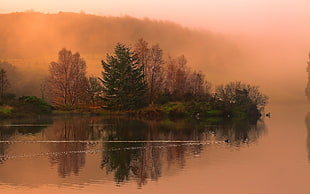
x=198, y=110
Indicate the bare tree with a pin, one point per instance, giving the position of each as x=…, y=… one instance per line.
x=196, y=84
x=238, y=92
x=177, y=76
x=142, y=50
x=170, y=75
x=67, y=79
x=152, y=61
x=155, y=72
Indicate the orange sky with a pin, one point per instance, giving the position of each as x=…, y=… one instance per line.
x=237, y=16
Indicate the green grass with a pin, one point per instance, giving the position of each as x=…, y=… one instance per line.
x=6, y=110
x=215, y=113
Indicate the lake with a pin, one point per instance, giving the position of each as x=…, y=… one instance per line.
x=82, y=154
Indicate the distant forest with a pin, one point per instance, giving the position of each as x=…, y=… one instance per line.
x=30, y=41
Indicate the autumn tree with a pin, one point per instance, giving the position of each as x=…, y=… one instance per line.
x=152, y=61
x=67, y=82
x=170, y=75
x=242, y=95
x=123, y=82
x=143, y=53
x=4, y=84
x=155, y=72
x=176, y=77
x=196, y=85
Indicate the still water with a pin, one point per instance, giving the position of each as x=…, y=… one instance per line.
x=117, y=155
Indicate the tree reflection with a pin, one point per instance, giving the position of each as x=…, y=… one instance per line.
x=144, y=161
x=74, y=128
x=9, y=129
x=5, y=133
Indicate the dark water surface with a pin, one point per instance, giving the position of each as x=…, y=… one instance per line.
x=117, y=155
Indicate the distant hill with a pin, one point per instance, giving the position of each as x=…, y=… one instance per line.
x=30, y=40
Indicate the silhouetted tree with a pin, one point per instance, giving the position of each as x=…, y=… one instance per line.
x=143, y=53
x=152, y=61
x=242, y=95
x=176, y=77
x=124, y=87
x=155, y=72
x=67, y=82
x=195, y=85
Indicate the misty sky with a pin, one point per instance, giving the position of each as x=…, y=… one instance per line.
x=236, y=16
x=276, y=31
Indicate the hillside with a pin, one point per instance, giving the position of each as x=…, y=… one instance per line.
x=30, y=40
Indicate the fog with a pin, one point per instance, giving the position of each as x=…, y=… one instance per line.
x=275, y=61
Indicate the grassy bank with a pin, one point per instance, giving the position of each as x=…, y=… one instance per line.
x=200, y=110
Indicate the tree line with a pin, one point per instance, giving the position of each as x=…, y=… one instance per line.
x=140, y=72
x=133, y=78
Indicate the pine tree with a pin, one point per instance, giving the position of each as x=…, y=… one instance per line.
x=123, y=80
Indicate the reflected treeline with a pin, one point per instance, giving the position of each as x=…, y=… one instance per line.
x=162, y=145
x=67, y=129
x=13, y=128
x=144, y=161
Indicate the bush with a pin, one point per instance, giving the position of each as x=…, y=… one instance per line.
x=33, y=104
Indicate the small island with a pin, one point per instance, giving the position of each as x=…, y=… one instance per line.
x=136, y=82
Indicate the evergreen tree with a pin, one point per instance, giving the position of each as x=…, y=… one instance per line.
x=123, y=80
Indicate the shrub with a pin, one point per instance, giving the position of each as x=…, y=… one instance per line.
x=33, y=104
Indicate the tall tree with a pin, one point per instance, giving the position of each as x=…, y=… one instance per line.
x=196, y=84
x=176, y=77
x=4, y=84
x=143, y=53
x=170, y=75
x=67, y=79
x=152, y=61
x=155, y=72
x=124, y=87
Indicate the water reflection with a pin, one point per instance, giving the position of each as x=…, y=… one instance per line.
x=68, y=129
x=12, y=129
x=129, y=149
x=146, y=163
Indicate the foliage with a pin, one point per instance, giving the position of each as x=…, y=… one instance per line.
x=239, y=94
x=124, y=87
x=67, y=80
x=5, y=109
x=152, y=61
x=33, y=104
x=176, y=109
